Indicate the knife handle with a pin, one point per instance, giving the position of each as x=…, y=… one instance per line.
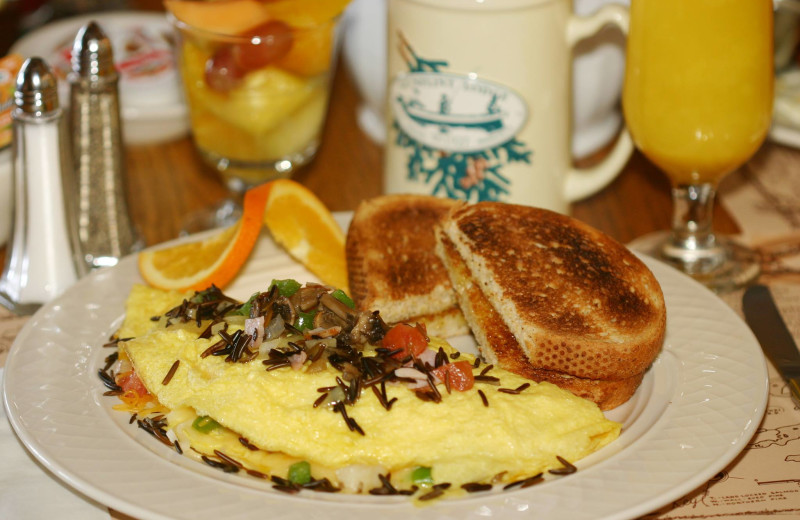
x=794, y=390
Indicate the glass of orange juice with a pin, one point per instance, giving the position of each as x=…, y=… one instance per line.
x=697, y=100
x=256, y=75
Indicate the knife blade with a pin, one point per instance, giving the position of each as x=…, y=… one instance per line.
x=764, y=318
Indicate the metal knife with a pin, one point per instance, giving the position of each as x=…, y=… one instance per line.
x=777, y=342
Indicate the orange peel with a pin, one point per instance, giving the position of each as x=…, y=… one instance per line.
x=195, y=266
x=297, y=220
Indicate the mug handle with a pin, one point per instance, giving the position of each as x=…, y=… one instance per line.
x=582, y=182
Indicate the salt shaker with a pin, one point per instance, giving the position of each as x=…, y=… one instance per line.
x=104, y=226
x=40, y=263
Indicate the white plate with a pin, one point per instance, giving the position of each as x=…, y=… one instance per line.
x=698, y=406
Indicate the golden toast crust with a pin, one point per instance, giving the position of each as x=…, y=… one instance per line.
x=392, y=265
x=576, y=301
x=499, y=346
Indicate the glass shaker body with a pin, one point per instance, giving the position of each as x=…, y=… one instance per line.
x=105, y=231
x=40, y=264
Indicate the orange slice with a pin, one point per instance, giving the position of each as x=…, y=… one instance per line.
x=297, y=220
x=302, y=224
x=216, y=260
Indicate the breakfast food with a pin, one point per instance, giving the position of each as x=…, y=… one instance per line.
x=392, y=265
x=553, y=299
x=298, y=387
x=296, y=219
x=256, y=77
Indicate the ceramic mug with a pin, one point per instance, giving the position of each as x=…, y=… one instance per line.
x=478, y=104
x=597, y=71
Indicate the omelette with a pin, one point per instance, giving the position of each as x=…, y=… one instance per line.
x=297, y=387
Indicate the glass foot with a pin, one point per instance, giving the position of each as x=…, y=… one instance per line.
x=223, y=214
x=735, y=268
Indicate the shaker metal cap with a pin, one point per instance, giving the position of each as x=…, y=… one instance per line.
x=36, y=88
x=92, y=56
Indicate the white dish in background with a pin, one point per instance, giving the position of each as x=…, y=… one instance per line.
x=598, y=71
x=697, y=407
x=151, y=98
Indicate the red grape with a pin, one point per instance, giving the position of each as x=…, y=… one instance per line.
x=222, y=71
x=268, y=42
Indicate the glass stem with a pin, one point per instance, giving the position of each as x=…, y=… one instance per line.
x=692, y=244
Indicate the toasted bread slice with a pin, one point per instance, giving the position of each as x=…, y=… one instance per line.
x=499, y=346
x=392, y=265
x=576, y=301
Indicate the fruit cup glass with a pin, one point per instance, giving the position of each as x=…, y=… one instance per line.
x=257, y=93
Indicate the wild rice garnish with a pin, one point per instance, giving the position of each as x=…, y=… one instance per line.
x=322, y=485
x=474, y=487
x=108, y=381
x=486, y=369
x=441, y=358
x=286, y=489
x=110, y=360
x=381, y=398
x=477, y=362
x=516, y=390
x=527, y=482
x=178, y=448
x=436, y=491
x=156, y=427
x=430, y=495
x=172, y=370
x=283, y=485
x=386, y=486
x=320, y=399
x=256, y=474
x=227, y=459
x=455, y=355
x=488, y=379
x=224, y=466
x=483, y=398
x=349, y=421
x=244, y=442
x=566, y=470
x=115, y=341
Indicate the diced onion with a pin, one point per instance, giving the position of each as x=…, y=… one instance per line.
x=298, y=359
x=410, y=373
x=255, y=325
x=428, y=356
x=359, y=478
x=275, y=327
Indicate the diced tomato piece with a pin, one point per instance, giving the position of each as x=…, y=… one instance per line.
x=129, y=381
x=409, y=339
x=459, y=375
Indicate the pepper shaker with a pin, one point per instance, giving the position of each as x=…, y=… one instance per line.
x=40, y=264
x=105, y=231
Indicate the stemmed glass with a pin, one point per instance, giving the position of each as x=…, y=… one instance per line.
x=697, y=100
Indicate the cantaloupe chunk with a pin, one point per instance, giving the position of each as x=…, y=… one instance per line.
x=306, y=13
x=311, y=53
x=222, y=16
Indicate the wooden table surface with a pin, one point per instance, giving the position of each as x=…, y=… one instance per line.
x=169, y=181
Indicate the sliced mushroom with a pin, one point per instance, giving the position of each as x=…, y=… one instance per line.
x=307, y=298
x=325, y=319
x=284, y=307
x=338, y=308
x=369, y=328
